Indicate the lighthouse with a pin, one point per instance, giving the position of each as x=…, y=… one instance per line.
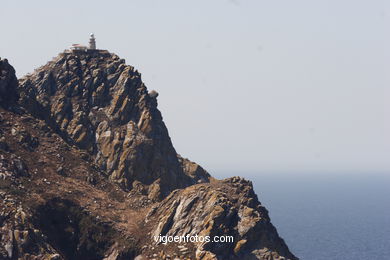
x=92, y=42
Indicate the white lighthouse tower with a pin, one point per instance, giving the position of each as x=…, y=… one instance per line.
x=92, y=42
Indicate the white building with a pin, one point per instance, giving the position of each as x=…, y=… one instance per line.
x=92, y=42
x=79, y=47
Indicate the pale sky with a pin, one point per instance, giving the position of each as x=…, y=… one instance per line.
x=245, y=86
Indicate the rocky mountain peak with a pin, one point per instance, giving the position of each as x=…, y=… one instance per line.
x=100, y=104
x=88, y=171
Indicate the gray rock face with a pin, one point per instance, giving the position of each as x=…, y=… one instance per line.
x=8, y=84
x=100, y=104
x=220, y=208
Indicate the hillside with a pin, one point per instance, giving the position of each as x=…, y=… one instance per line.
x=88, y=171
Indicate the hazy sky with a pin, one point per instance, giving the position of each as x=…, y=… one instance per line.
x=255, y=86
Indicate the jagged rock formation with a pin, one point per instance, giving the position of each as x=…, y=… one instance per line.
x=221, y=208
x=100, y=104
x=88, y=171
x=8, y=83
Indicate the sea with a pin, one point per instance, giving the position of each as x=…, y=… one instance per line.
x=328, y=216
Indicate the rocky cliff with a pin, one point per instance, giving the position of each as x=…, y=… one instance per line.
x=98, y=103
x=88, y=171
x=8, y=84
x=220, y=208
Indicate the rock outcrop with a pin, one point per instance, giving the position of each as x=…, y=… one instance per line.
x=98, y=103
x=88, y=171
x=8, y=84
x=219, y=209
